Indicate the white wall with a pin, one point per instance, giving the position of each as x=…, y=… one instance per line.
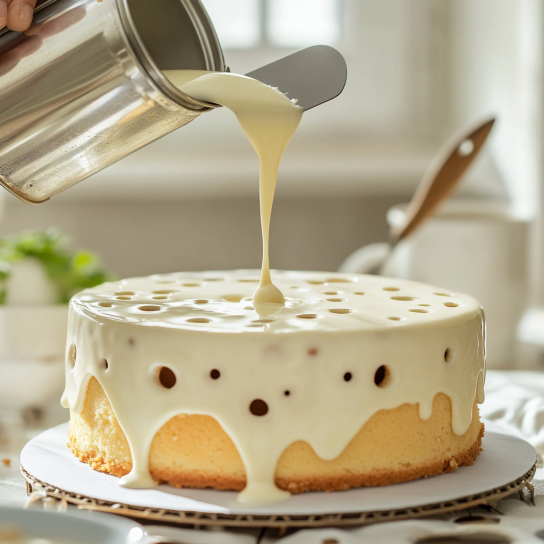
x=495, y=68
x=137, y=237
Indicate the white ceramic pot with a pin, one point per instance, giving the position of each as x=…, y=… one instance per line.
x=32, y=346
x=478, y=248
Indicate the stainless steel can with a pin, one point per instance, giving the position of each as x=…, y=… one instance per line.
x=83, y=87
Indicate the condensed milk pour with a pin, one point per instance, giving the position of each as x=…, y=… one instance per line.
x=269, y=120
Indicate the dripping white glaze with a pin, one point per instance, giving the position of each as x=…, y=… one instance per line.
x=306, y=355
x=269, y=120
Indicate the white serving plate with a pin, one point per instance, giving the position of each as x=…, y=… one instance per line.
x=504, y=459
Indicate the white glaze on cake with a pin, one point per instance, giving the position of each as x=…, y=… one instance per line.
x=142, y=324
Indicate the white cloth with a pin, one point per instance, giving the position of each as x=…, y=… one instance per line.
x=515, y=401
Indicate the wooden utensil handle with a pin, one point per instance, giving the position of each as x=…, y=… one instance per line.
x=441, y=179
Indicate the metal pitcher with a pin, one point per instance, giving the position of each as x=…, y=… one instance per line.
x=83, y=87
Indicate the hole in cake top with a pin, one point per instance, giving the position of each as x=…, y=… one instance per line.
x=443, y=294
x=160, y=297
x=72, y=354
x=254, y=325
x=258, y=407
x=448, y=355
x=418, y=311
x=149, y=308
x=451, y=304
x=340, y=310
x=191, y=284
x=480, y=537
x=105, y=364
x=123, y=297
x=395, y=318
x=199, y=320
x=248, y=280
x=215, y=374
x=201, y=301
x=316, y=282
x=213, y=279
x=249, y=308
x=131, y=341
x=131, y=293
x=164, y=292
x=331, y=293
x=287, y=392
x=403, y=299
x=478, y=519
x=382, y=377
x=273, y=351
x=390, y=289
x=423, y=304
x=336, y=299
x=312, y=352
x=308, y=316
x=167, y=378
x=105, y=304
x=348, y=376
x=339, y=280
x=233, y=298
x=263, y=321
x=359, y=293
x=165, y=282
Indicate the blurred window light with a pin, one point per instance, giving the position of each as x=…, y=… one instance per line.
x=298, y=23
x=237, y=22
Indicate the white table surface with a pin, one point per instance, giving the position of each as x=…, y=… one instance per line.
x=519, y=520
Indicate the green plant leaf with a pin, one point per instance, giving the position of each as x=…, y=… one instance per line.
x=70, y=271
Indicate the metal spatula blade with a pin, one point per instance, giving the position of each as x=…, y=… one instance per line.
x=312, y=76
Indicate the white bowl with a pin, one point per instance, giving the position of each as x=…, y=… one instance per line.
x=74, y=526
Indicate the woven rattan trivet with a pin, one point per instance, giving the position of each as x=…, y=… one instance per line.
x=198, y=519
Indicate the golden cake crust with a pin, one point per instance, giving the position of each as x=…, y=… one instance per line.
x=194, y=451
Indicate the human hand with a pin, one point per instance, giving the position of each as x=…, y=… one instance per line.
x=16, y=14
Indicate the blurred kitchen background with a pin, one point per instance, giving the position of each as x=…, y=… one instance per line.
x=418, y=70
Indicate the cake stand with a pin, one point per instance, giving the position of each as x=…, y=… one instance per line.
x=506, y=465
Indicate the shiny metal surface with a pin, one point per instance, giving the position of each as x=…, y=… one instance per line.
x=82, y=88
x=311, y=76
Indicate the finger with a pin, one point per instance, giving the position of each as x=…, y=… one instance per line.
x=20, y=14
x=3, y=14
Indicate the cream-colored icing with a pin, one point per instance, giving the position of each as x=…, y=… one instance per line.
x=269, y=120
x=141, y=324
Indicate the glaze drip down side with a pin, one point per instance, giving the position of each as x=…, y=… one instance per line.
x=341, y=362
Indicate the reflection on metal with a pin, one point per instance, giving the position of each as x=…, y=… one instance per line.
x=83, y=87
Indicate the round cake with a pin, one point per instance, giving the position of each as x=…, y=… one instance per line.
x=355, y=381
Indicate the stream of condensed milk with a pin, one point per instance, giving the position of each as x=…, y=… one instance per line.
x=269, y=120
